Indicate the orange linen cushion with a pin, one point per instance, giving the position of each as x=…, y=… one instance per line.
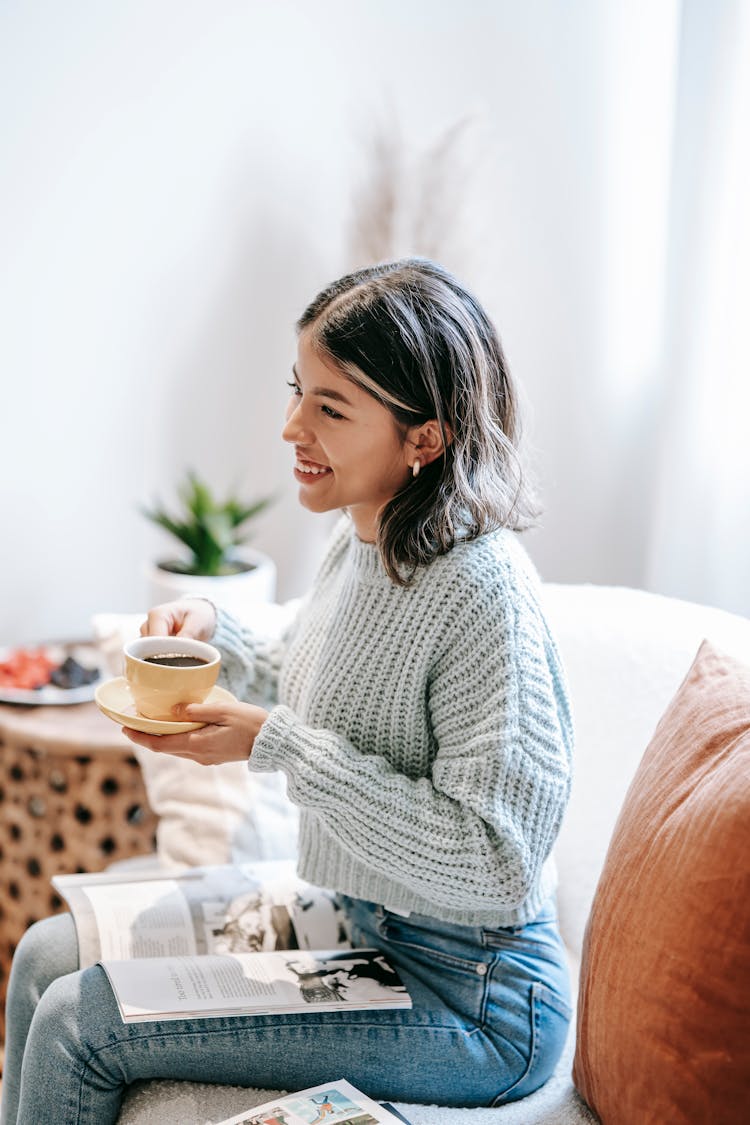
x=664, y=1000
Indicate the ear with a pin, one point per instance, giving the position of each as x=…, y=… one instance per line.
x=427, y=441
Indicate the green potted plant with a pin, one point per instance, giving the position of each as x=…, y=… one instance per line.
x=215, y=563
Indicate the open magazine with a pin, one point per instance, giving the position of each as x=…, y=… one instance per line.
x=228, y=940
x=337, y=1103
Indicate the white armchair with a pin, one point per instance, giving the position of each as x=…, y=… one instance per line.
x=626, y=653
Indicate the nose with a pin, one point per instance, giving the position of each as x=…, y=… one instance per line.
x=295, y=430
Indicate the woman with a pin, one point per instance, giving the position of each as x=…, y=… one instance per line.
x=418, y=710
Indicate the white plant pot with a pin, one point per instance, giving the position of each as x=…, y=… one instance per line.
x=235, y=592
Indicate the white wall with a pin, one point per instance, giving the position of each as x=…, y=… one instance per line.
x=176, y=184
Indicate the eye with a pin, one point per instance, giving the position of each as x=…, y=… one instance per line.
x=330, y=412
x=295, y=387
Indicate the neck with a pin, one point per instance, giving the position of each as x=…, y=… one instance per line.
x=365, y=525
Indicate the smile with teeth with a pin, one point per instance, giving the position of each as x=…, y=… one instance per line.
x=309, y=468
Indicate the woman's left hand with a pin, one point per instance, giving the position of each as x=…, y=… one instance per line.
x=229, y=735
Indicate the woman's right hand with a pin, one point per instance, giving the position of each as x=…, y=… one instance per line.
x=188, y=617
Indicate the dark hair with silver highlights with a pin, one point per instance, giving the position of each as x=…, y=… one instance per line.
x=412, y=336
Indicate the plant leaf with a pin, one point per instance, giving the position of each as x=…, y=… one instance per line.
x=208, y=529
x=239, y=514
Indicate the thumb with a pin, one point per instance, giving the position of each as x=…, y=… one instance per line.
x=199, y=712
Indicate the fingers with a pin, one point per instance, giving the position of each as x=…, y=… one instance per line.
x=199, y=620
x=148, y=741
x=182, y=742
x=199, y=746
x=181, y=745
x=218, y=714
x=228, y=734
x=191, y=617
x=163, y=620
x=157, y=624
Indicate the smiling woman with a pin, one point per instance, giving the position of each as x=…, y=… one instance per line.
x=419, y=344
x=417, y=707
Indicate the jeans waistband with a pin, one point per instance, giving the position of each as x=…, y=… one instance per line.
x=546, y=915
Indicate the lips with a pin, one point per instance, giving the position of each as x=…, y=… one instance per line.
x=310, y=469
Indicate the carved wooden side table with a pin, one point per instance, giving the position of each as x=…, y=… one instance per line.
x=72, y=799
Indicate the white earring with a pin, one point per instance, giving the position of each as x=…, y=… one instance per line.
x=415, y=468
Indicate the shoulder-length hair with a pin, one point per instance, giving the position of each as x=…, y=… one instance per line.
x=412, y=336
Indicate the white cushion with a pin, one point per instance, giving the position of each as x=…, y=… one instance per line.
x=625, y=652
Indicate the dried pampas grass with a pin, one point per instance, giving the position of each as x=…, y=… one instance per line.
x=424, y=201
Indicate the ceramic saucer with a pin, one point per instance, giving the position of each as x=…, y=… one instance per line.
x=114, y=700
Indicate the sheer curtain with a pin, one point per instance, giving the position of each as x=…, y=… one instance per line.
x=699, y=545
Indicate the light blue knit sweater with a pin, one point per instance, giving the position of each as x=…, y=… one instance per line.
x=425, y=732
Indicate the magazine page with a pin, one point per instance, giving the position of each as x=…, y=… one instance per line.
x=168, y=988
x=242, y=908
x=337, y=1103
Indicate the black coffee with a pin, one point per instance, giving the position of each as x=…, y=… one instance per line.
x=176, y=660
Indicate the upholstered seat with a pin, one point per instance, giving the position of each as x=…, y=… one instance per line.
x=626, y=653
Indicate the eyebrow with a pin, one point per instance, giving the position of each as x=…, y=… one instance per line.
x=325, y=392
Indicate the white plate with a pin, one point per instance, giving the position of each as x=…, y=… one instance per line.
x=114, y=700
x=50, y=696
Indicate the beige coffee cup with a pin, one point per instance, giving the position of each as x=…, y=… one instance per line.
x=158, y=678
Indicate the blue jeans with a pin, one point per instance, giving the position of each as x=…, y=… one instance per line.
x=489, y=1019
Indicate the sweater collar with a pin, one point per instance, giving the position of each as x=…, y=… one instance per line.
x=367, y=565
x=365, y=560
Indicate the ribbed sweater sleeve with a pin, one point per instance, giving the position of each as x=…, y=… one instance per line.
x=250, y=662
x=452, y=804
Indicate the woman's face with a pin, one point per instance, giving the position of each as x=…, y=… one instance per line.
x=349, y=451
